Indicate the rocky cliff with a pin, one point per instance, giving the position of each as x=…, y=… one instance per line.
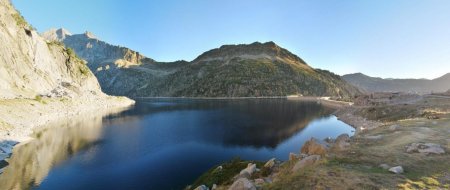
x=258, y=69
x=419, y=86
x=41, y=80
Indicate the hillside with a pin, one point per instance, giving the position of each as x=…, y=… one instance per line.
x=257, y=69
x=420, y=86
x=41, y=80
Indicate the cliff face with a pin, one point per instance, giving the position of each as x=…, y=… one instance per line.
x=41, y=81
x=257, y=69
x=30, y=66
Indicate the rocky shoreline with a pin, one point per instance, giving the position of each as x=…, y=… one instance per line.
x=404, y=154
x=19, y=118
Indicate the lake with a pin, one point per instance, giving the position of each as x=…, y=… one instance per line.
x=165, y=143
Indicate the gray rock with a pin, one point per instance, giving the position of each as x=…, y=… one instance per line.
x=342, y=142
x=427, y=148
x=202, y=187
x=396, y=169
x=343, y=137
x=242, y=184
x=214, y=187
x=259, y=182
x=269, y=164
x=251, y=168
x=308, y=161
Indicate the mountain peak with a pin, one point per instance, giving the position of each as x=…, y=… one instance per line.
x=56, y=34
x=356, y=75
x=90, y=35
x=255, y=50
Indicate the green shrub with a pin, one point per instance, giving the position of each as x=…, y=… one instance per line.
x=20, y=21
x=225, y=175
x=70, y=52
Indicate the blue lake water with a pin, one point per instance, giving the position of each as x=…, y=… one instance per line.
x=165, y=143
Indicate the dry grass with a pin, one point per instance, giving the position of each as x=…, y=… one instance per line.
x=358, y=168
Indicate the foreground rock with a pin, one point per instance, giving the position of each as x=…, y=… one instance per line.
x=427, y=148
x=342, y=142
x=251, y=168
x=396, y=169
x=308, y=161
x=202, y=187
x=242, y=184
x=312, y=147
x=269, y=164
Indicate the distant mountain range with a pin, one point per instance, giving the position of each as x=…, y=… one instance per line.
x=420, y=86
x=257, y=69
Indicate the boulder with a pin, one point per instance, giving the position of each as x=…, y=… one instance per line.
x=202, y=187
x=342, y=142
x=293, y=156
x=312, y=147
x=214, y=187
x=308, y=161
x=427, y=148
x=242, y=184
x=259, y=182
x=269, y=164
x=251, y=168
x=396, y=169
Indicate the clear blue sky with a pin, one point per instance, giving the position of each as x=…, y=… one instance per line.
x=390, y=38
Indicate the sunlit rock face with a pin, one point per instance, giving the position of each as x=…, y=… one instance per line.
x=31, y=162
x=30, y=66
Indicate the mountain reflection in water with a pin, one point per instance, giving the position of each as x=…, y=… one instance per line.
x=164, y=144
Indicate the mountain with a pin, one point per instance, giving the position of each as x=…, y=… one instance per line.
x=257, y=69
x=39, y=79
x=419, y=86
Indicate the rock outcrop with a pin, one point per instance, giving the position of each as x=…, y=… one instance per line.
x=426, y=148
x=312, y=147
x=341, y=143
x=396, y=169
x=308, y=161
x=242, y=184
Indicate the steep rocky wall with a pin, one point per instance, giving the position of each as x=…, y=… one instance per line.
x=29, y=66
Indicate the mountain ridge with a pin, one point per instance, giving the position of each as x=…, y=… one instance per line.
x=256, y=69
x=419, y=86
